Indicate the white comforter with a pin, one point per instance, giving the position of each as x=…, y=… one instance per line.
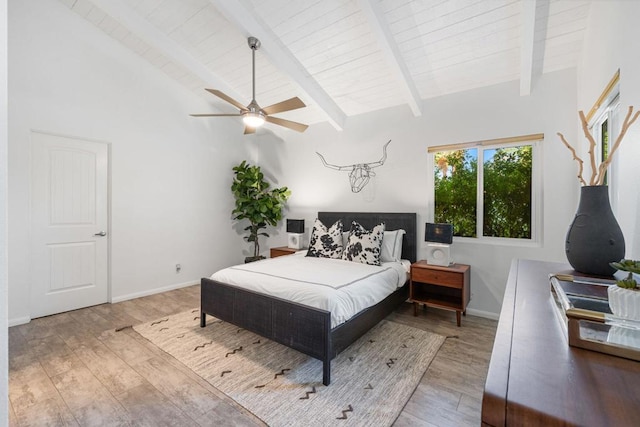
x=342, y=287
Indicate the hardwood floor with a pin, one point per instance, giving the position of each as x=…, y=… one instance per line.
x=78, y=368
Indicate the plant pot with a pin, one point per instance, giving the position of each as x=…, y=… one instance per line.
x=594, y=238
x=253, y=258
x=624, y=303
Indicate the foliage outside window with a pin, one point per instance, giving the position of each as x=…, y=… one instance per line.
x=495, y=200
x=456, y=183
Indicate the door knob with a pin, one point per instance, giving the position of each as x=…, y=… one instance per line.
x=102, y=234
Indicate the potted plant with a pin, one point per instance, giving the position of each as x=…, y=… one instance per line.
x=624, y=296
x=256, y=202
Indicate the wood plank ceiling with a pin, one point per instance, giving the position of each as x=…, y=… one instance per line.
x=345, y=57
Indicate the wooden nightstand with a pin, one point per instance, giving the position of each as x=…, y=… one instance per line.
x=442, y=287
x=282, y=250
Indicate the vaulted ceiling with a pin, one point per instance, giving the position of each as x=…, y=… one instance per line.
x=345, y=57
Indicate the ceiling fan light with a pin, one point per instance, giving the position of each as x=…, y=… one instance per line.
x=253, y=119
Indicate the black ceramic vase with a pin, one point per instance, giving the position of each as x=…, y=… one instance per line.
x=594, y=238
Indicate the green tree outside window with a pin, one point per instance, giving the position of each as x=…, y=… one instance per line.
x=456, y=186
x=506, y=193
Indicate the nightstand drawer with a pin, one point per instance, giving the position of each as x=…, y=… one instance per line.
x=442, y=278
x=282, y=250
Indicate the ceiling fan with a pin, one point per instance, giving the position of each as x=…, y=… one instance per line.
x=253, y=115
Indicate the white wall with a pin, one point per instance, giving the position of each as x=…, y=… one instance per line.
x=170, y=173
x=401, y=184
x=611, y=43
x=4, y=366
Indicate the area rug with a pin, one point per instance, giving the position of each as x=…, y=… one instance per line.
x=371, y=380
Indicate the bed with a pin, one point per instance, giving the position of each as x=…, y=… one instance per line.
x=301, y=327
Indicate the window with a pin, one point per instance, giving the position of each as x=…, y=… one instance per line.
x=456, y=184
x=604, y=126
x=487, y=189
x=603, y=130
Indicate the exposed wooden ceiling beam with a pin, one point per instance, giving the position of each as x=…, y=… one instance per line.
x=242, y=15
x=529, y=8
x=387, y=43
x=137, y=25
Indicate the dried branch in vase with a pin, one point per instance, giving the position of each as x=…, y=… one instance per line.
x=575, y=157
x=598, y=173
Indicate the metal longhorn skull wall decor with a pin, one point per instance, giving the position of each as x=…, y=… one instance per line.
x=360, y=173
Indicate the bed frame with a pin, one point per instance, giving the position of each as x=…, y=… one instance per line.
x=303, y=328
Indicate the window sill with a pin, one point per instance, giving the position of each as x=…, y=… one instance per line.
x=497, y=241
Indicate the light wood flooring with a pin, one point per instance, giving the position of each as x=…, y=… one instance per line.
x=75, y=369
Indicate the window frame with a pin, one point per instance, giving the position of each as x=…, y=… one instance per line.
x=607, y=103
x=536, y=189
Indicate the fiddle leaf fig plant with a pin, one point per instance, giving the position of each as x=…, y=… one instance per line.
x=629, y=266
x=256, y=202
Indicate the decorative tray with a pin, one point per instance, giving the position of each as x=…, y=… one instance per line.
x=583, y=309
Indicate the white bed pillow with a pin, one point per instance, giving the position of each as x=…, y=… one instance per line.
x=326, y=243
x=364, y=245
x=391, y=250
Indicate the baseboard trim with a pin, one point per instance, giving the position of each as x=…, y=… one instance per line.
x=19, y=321
x=481, y=313
x=151, y=292
x=26, y=319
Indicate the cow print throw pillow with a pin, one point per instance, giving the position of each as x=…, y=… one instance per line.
x=326, y=243
x=364, y=245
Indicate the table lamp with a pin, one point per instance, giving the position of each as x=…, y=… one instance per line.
x=440, y=237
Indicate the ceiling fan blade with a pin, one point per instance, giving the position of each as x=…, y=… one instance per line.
x=226, y=98
x=287, y=123
x=248, y=130
x=288, y=105
x=216, y=115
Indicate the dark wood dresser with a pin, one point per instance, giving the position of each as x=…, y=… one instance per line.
x=535, y=378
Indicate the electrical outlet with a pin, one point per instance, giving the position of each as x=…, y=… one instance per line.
x=178, y=268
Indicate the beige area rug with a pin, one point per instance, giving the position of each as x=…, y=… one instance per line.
x=371, y=380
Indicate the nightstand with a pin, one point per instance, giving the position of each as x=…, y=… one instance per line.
x=282, y=250
x=438, y=286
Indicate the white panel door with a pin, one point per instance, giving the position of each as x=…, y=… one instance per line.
x=69, y=218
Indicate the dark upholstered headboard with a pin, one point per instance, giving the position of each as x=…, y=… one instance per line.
x=392, y=221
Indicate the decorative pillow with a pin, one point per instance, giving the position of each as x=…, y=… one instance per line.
x=364, y=245
x=326, y=243
x=391, y=249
